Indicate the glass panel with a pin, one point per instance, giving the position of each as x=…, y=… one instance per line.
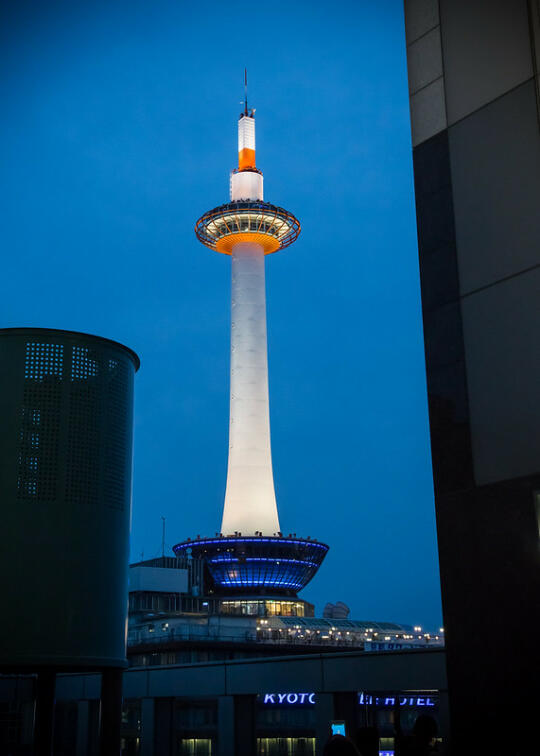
x=195, y=747
x=286, y=746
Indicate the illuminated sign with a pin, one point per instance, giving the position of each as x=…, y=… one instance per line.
x=289, y=698
x=413, y=701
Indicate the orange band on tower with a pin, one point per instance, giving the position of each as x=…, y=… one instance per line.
x=246, y=159
x=267, y=242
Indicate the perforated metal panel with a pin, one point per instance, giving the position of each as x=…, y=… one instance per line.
x=65, y=484
x=40, y=421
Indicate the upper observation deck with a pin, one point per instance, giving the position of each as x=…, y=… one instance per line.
x=252, y=221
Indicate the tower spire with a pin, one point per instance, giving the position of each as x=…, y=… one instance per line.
x=246, y=136
x=251, y=554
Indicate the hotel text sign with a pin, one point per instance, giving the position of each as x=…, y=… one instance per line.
x=364, y=699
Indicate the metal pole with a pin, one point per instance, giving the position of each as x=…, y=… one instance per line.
x=44, y=719
x=111, y=712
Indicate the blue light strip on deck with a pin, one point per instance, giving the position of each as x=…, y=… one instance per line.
x=226, y=540
x=275, y=560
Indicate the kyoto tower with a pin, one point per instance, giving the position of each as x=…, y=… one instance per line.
x=251, y=555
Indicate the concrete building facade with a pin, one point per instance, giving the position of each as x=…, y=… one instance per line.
x=274, y=706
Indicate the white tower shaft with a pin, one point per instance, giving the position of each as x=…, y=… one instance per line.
x=250, y=500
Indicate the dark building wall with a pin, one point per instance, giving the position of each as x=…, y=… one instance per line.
x=476, y=154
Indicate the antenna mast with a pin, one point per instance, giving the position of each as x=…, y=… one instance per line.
x=163, y=538
x=245, y=92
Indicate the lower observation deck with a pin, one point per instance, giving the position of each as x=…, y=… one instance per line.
x=257, y=564
x=257, y=222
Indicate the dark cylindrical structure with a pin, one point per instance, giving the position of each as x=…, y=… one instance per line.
x=66, y=403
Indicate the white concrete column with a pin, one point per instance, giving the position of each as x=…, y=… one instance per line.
x=250, y=501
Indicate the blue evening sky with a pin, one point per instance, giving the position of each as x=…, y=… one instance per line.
x=118, y=130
